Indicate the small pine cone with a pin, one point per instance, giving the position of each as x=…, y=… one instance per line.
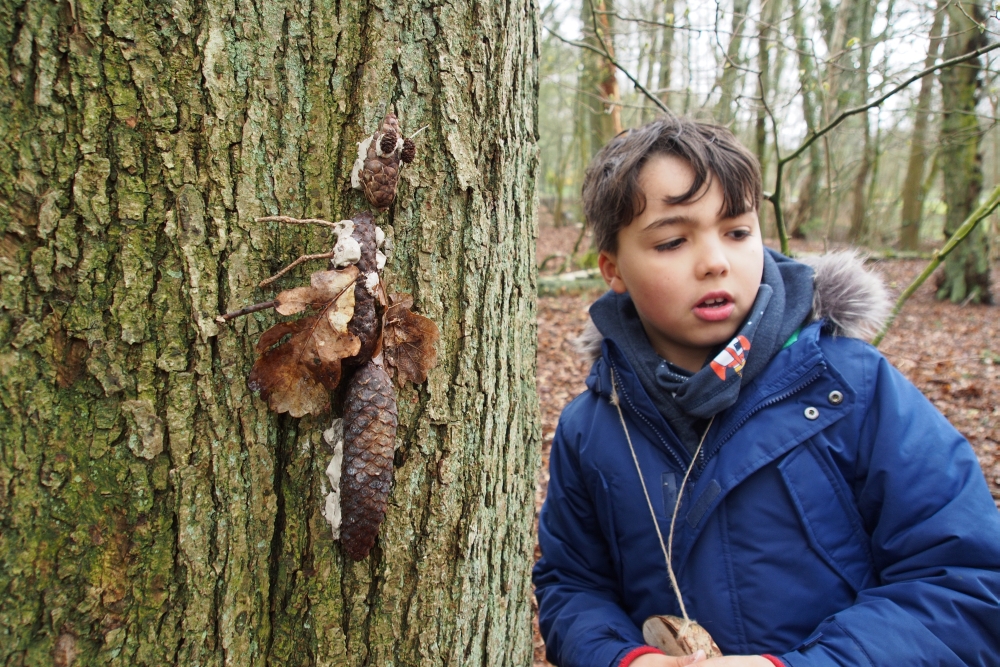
x=370, y=420
x=388, y=144
x=409, y=151
x=379, y=178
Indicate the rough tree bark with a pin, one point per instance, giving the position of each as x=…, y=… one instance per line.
x=967, y=269
x=152, y=512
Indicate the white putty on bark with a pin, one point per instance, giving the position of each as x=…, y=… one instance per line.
x=334, y=437
x=379, y=237
x=371, y=282
x=379, y=260
x=346, y=252
x=359, y=163
x=343, y=228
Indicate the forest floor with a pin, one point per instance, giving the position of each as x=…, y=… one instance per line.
x=950, y=352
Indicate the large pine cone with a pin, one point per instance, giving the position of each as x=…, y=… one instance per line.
x=370, y=420
x=380, y=174
x=365, y=323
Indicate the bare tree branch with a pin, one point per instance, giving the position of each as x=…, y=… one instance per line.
x=882, y=98
x=603, y=52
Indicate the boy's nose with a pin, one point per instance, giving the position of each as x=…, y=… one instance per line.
x=712, y=260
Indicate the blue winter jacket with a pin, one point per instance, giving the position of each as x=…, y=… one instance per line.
x=834, y=518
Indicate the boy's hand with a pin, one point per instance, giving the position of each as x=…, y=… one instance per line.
x=737, y=661
x=659, y=660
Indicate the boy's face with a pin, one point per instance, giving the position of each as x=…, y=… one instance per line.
x=692, y=274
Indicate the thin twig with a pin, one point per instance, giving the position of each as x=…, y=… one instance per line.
x=987, y=207
x=300, y=260
x=296, y=221
x=222, y=319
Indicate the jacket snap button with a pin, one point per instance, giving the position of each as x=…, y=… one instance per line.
x=811, y=413
x=835, y=397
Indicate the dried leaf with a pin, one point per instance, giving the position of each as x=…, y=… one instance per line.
x=408, y=341
x=298, y=375
x=324, y=287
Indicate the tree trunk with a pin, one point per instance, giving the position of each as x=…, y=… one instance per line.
x=913, y=203
x=808, y=192
x=598, y=80
x=770, y=16
x=967, y=268
x=859, y=223
x=153, y=511
x=730, y=79
x=666, y=52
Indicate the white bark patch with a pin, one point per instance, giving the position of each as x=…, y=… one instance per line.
x=371, y=282
x=346, y=252
x=334, y=436
x=379, y=260
x=359, y=163
x=379, y=237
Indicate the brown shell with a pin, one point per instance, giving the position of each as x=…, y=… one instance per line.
x=380, y=173
x=370, y=420
x=366, y=321
x=670, y=635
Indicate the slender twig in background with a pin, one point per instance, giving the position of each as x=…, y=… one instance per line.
x=963, y=231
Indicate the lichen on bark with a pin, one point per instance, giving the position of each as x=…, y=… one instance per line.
x=152, y=512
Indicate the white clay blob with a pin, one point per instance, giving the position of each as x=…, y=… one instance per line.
x=371, y=282
x=346, y=252
x=379, y=237
x=359, y=163
x=379, y=260
x=331, y=512
x=343, y=228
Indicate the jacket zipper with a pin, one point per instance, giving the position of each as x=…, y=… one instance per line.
x=757, y=408
x=621, y=392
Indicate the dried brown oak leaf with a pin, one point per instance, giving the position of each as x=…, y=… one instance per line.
x=298, y=375
x=408, y=341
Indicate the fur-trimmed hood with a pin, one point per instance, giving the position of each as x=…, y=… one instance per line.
x=852, y=299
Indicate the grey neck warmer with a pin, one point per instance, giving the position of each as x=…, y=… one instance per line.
x=783, y=302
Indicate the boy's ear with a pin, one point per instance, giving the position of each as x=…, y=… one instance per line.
x=608, y=264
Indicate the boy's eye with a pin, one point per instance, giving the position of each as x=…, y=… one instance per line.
x=672, y=244
x=739, y=234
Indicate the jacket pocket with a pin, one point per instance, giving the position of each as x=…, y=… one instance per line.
x=829, y=516
x=606, y=519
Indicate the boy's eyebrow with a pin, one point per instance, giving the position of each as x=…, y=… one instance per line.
x=667, y=221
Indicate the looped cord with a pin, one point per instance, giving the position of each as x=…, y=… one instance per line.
x=668, y=546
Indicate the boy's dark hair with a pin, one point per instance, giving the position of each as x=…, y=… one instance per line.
x=611, y=194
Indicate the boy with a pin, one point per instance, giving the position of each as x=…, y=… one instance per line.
x=830, y=515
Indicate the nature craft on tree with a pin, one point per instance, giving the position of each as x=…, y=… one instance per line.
x=353, y=330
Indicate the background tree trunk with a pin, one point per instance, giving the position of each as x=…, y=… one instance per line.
x=804, y=210
x=153, y=512
x=967, y=269
x=728, y=80
x=913, y=202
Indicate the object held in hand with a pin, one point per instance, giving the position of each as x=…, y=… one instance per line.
x=677, y=637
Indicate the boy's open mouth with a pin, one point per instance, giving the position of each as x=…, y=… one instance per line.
x=714, y=307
